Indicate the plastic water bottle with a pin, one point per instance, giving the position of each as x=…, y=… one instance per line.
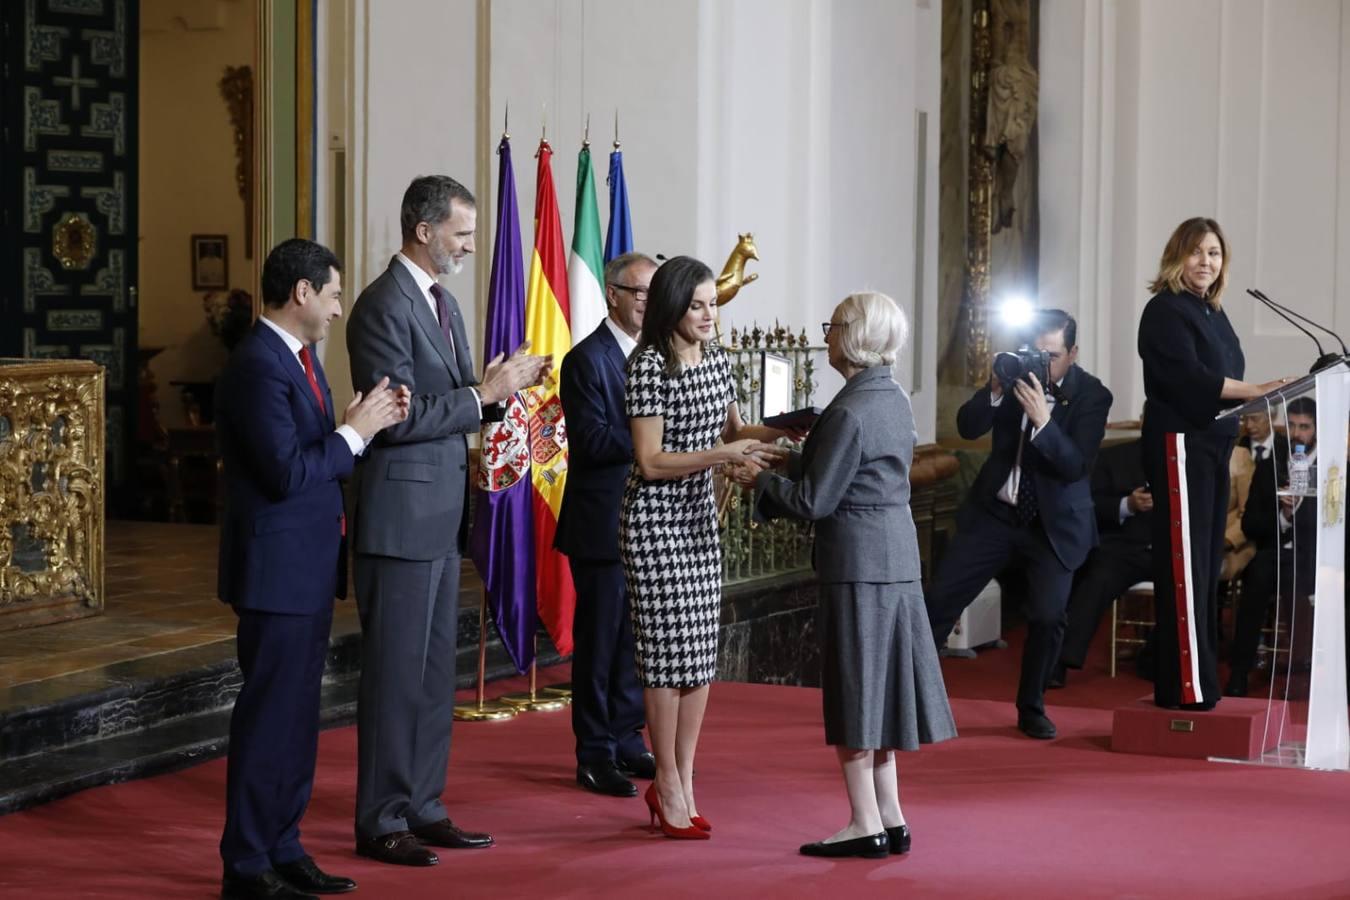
x=1298, y=471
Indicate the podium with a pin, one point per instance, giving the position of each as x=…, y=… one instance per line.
x=1305, y=723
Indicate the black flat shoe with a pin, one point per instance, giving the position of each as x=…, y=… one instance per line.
x=604, y=778
x=898, y=838
x=1036, y=725
x=268, y=885
x=640, y=766
x=873, y=846
x=306, y=876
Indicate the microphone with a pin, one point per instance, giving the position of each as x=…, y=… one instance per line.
x=1325, y=359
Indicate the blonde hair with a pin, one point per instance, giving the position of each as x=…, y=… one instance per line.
x=874, y=329
x=1179, y=247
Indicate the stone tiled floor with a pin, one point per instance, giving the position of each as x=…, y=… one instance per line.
x=161, y=597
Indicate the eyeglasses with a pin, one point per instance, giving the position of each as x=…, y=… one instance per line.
x=638, y=292
x=826, y=326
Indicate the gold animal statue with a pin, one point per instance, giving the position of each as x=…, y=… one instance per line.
x=733, y=276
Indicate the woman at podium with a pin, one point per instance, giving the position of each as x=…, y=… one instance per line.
x=1193, y=368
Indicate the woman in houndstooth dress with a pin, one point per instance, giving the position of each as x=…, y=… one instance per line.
x=681, y=402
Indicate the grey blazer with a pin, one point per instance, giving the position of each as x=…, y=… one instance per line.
x=852, y=479
x=412, y=482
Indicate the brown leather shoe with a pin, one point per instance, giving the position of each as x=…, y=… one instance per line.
x=399, y=848
x=447, y=834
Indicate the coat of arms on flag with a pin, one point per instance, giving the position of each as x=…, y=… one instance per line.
x=506, y=449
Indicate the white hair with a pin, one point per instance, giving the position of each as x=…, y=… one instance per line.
x=874, y=331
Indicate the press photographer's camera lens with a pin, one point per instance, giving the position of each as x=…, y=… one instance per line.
x=1009, y=367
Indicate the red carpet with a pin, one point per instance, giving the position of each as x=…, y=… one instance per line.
x=993, y=815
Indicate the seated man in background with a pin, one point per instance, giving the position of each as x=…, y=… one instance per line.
x=1237, y=549
x=1262, y=442
x=1124, y=504
x=1276, y=529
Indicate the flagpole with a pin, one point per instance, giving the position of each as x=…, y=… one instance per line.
x=532, y=701
x=482, y=710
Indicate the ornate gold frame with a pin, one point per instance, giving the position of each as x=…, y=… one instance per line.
x=52, y=480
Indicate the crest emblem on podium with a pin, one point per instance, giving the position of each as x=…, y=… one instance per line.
x=1333, y=497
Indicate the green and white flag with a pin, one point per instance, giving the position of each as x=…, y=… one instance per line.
x=585, y=268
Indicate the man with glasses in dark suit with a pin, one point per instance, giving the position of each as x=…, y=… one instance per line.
x=607, y=712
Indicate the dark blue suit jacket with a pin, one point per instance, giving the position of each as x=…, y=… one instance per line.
x=280, y=540
x=600, y=447
x=1060, y=460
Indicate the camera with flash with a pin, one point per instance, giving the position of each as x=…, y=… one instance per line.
x=1012, y=366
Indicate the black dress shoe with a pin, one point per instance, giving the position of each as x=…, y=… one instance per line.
x=873, y=846
x=1237, y=685
x=604, y=778
x=898, y=838
x=399, y=848
x=305, y=875
x=641, y=766
x=269, y=885
x=447, y=834
x=1035, y=725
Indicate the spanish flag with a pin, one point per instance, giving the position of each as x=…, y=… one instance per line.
x=546, y=317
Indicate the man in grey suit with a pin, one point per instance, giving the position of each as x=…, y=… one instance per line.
x=411, y=524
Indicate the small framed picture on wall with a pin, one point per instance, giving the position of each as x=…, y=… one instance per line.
x=210, y=262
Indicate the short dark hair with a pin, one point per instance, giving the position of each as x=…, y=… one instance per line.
x=295, y=260
x=1050, y=321
x=1302, y=406
x=428, y=200
x=670, y=296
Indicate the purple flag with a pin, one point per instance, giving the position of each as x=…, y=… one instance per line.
x=502, y=543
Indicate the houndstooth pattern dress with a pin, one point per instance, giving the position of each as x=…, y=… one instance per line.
x=668, y=535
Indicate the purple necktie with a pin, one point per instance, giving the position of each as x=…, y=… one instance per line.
x=442, y=297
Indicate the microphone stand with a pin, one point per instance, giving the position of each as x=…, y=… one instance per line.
x=1324, y=359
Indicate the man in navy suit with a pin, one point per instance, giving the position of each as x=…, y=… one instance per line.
x=282, y=562
x=607, y=713
x=1031, y=503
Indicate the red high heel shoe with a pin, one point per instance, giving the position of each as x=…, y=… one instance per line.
x=692, y=833
x=701, y=823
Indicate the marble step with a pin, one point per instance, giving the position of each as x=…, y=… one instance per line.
x=180, y=741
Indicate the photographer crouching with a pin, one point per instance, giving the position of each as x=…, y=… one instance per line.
x=1032, y=501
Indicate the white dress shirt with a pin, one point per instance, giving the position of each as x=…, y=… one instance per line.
x=627, y=344
x=424, y=283
x=295, y=345
x=1269, y=446
x=1008, y=493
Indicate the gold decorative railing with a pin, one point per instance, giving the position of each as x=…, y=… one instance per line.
x=750, y=549
x=51, y=490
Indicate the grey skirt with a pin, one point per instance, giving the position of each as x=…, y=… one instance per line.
x=882, y=684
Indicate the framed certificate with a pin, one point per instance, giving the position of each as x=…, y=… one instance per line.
x=775, y=385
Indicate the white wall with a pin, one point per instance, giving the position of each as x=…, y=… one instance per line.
x=793, y=119
x=1154, y=111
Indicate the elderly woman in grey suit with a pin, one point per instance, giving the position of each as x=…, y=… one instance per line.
x=883, y=689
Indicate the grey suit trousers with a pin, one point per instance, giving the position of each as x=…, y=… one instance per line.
x=409, y=611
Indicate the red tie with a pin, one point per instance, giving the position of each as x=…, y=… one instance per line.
x=308, y=363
